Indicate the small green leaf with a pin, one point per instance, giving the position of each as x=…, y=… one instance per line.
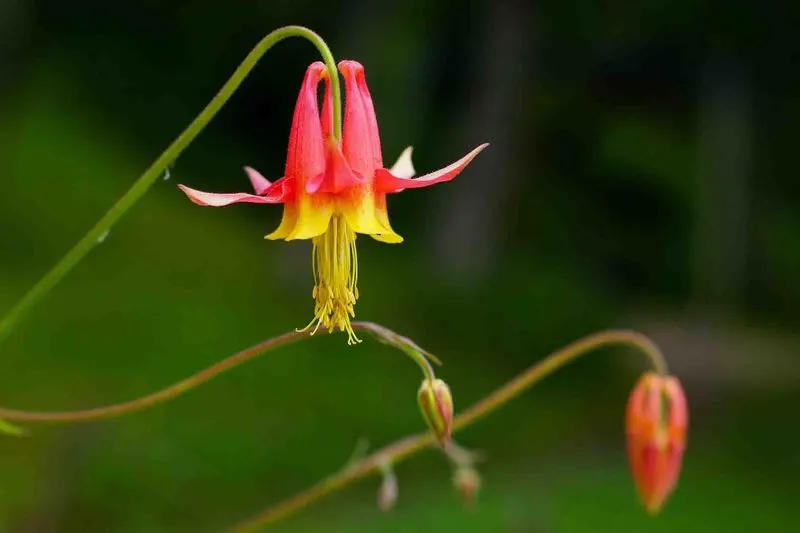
x=10, y=429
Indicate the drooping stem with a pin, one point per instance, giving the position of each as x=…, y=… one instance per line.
x=556, y=360
x=151, y=175
x=381, y=333
x=408, y=446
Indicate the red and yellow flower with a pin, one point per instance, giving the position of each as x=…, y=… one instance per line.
x=333, y=190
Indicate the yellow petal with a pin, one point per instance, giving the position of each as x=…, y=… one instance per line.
x=287, y=224
x=358, y=207
x=381, y=213
x=389, y=237
x=313, y=216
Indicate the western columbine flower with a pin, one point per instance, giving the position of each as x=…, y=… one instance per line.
x=656, y=420
x=333, y=190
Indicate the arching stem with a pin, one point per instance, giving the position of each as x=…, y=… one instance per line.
x=381, y=333
x=151, y=175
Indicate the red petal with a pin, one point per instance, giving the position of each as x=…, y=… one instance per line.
x=674, y=458
x=372, y=119
x=386, y=182
x=337, y=177
x=360, y=141
x=306, y=153
x=652, y=407
x=212, y=199
x=279, y=192
x=283, y=190
x=678, y=415
x=314, y=184
x=326, y=117
x=260, y=183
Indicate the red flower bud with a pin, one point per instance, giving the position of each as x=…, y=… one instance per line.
x=467, y=482
x=656, y=421
x=387, y=493
x=436, y=404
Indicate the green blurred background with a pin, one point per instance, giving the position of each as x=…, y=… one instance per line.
x=641, y=174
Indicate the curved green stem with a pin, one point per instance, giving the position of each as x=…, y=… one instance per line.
x=381, y=333
x=556, y=360
x=409, y=446
x=79, y=251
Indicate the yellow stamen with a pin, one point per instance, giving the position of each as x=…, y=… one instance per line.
x=335, y=266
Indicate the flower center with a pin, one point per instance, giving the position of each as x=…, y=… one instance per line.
x=335, y=265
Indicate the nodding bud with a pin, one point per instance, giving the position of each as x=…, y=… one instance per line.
x=387, y=493
x=436, y=404
x=656, y=422
x=467, y=482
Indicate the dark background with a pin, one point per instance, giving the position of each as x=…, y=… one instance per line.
x=642, y=174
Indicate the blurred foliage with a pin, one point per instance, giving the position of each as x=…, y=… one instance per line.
x=605, y=180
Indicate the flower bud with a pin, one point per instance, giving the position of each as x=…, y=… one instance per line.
x=656, y=421
x=467, y=482
x=387, y=493
x=436, y=404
